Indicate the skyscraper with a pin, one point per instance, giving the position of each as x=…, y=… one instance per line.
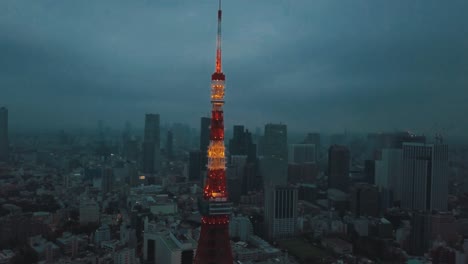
x=280, y=211
x=4, y=146
x=214, y=245
x=151, y=144
x=242, y=144
x=301, y=153
x=274, y=163
x=365, y=200
x=387, y=175
x=338, y=167
x=314, y=138
x=424, y=183
x=194, y=169
x=275, y=141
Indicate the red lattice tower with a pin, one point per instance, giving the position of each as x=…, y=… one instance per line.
x=214, y=245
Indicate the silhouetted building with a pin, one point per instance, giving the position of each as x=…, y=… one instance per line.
x=251, y=181
x=424, y=177
x=204, y=140
x=194, y=170
x=4, y=146
x=387, y=175
x=275, y=141
x=107, y=180
x=242, y=144
x=369, y=171
x=274, y=163
x=280, y=211
x=365, y=200
x=151, y=144
x=307, y=192
x=302, y=173
x=302, y=153
x=338, y=167
x=420, y=235
x=314, y=138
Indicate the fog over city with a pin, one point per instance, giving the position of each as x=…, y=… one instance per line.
x=326, y=65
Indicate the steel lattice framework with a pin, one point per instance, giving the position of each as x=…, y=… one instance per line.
x=214, y=244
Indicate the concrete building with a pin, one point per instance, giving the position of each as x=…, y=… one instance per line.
x=388, y=175
x=280, y=211
x=275, y=142
x=151, y=144
x=338, y=167
x=302, y=153
x=125, y=256
x=89, y=212
x=162, y=246
x=364, y=200
x=424, y=184
x=102, y=234
x=194, y=167
x=240, y=227
x=4, y=143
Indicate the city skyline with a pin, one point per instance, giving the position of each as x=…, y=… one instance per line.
x=399, y=66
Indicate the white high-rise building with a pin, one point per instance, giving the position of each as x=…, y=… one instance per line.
x=301, y=153
x=424, y=183
x=165, y=247
x=125, y=256
x=280, y=211
x=240, y=227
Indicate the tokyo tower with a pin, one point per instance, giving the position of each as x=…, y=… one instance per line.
x=214, y=244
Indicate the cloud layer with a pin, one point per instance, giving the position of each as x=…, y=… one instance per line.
x=314, y=65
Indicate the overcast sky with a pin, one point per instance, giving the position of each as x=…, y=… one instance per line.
x=325, y=65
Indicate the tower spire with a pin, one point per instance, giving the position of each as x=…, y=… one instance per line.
x=218, y=41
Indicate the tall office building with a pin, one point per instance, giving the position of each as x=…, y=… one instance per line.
x=338, y=167
x=365, y=200
x=151, y=144
x=302, y=153
x=280, y=211
x=424, y=184
x=242, y=144
x=387, y=175
x=194, y=169
x=204, y=140
x=314, y=138
x=4, y=146
x=420, y=236
x=107, y=181
x=274, y=163
x=275, y=141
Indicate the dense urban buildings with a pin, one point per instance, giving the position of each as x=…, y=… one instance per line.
x=338, y=167
x=355, y=190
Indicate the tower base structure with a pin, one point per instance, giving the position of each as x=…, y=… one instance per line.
x=214, y=243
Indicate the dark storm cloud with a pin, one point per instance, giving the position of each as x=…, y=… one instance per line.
x=317, y=65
